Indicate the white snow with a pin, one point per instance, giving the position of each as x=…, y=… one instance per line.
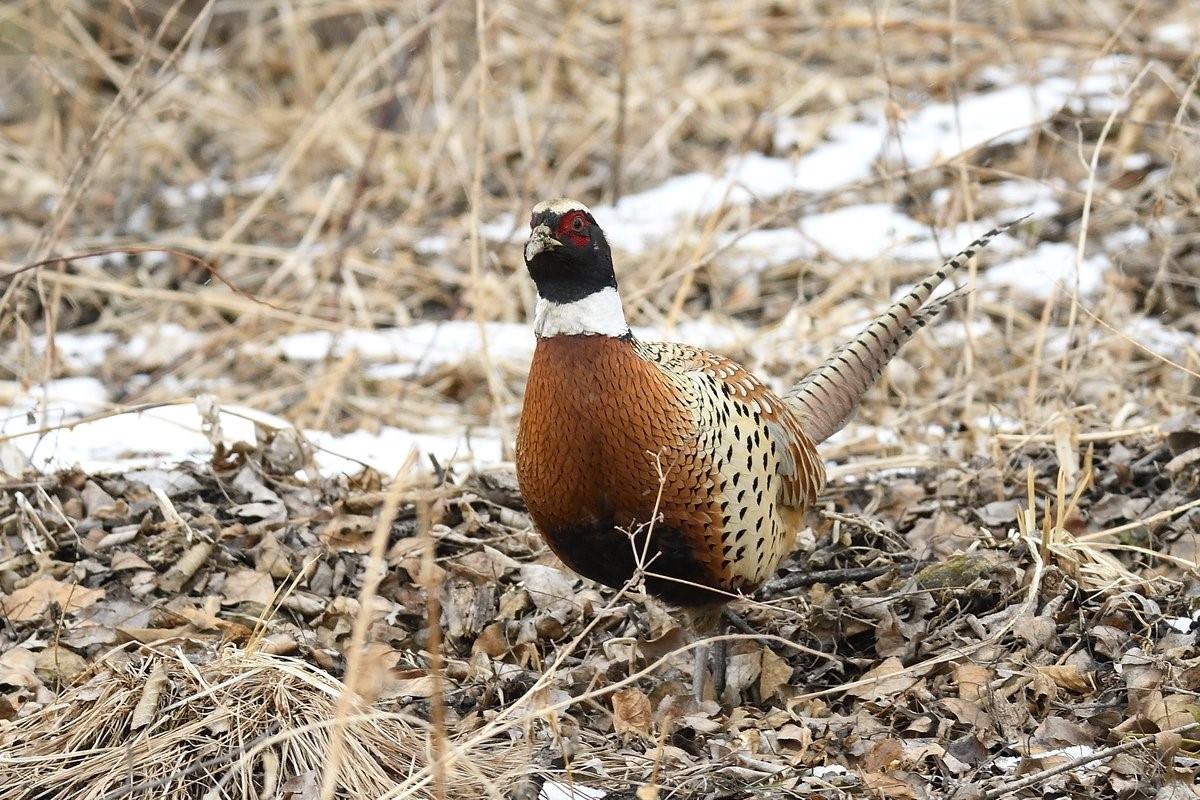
x=152, y=346
x=417, y=349
x=1003, y=115
x=1025, y=197
x=1010, y=763
x=161, y=345
x=935, y=132
x=1178, y=34
x=58, y=398
x=1036, y=273
x=640, y=220
x=822, y=770
x=1172, y=343
x=758, y=250
x=1072, y=752
x=388, y=449
x=846, y=156
x=1127, y=238
x=424, y=346
x=77, y=351
x=432, y=245
x=161, y=436
x=851, y=233
x=214, y=188
x=861, y=233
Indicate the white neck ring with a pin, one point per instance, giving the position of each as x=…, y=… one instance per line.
x=598, y=314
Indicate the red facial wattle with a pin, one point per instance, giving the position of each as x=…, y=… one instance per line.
x=573, y=229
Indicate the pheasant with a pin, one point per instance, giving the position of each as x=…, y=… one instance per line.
x=666, y=460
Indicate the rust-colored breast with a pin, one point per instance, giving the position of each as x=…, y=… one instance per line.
x=615, y=430
x=605, y=439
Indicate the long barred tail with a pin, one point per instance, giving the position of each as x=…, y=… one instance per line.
x=827, y=396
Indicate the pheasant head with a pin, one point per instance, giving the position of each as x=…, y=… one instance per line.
x=571, y=265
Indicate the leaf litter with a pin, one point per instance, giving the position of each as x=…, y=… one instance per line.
x=222, y=607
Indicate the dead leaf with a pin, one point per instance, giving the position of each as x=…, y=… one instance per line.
x=412, y=683
x=1038, y=632
x=1044, y=690
x=1066, y=676
x=774, y=672
x=271, y=557
x=492, y=641
x=797, y=738
x=670, y=641
x=1167, y=743
x=887, y=786
x=248, y=586
x=17, y=665
x=96, y=501
x=742, y=670
x=1169, y=711
x=884, y=755
x=551, y=590
x=1056, y=732
x=972, y=680
x=124, y=559
x=376, y=670
x=352, y=532
x=647, y=791
x=488, y=563
x=32, y=601
x=59, y=665
x=967, y=712
x=631, y=712
x=182, y=570
x=884, y=680
x=891, y=638
x=147, y=706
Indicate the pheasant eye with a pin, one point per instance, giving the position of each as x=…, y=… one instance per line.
x=577, y=224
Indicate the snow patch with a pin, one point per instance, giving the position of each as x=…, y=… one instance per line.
x=161, y=344
x=214, y=188
x=824, y=770
x=1177, y=34
x=853, y=233
x=77, y=351
x=156, y=438
x=152, y=346
x=417, y=349
x=1050, y=263
x=387, y=449
x=1127, y=238
x=1162, y=339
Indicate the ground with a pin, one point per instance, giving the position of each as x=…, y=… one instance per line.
x=259, y=449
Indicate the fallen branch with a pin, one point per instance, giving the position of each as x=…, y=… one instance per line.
x=834, y=576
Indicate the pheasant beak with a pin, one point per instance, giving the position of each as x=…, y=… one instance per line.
x=540, y=240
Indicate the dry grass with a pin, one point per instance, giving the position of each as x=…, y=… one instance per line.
x=243, y=724
x=305, y=149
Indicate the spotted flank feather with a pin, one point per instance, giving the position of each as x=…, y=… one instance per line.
x=769, y=471
x=826, y=397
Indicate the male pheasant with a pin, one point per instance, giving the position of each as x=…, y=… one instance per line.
x=666, y=457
